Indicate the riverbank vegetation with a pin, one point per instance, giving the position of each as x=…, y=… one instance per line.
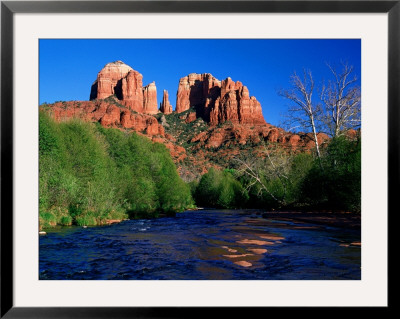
x=220, y=189
x=89, y=174
x=281, y=180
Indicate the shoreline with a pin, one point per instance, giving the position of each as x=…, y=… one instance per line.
x=327, y=218
x=321, y=217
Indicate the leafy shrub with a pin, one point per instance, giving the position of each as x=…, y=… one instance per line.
x=220, y=189
x=337, y=184
x=66, y=220
x=88, y=173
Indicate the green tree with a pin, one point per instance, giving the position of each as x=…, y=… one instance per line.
x=220, y=189
x=88, y=174
x=338, y=186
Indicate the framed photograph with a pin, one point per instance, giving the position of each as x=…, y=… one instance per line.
x=165, y=157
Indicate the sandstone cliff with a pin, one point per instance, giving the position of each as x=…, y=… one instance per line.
x=150, y=105
x=165, y=105
x=119, y=79
x=109, y=80
x=108, y=113
x=218, y=101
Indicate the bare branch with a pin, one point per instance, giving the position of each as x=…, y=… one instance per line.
x=342, y=101
x=305, y=113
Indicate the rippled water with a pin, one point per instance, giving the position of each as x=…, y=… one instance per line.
x=208, y=244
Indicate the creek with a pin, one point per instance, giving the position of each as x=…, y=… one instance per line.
x=201, y=245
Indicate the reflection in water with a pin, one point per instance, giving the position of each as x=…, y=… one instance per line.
x=207, y=244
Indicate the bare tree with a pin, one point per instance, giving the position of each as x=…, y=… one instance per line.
x=261, y=171
x=342, y=101
x=303, y=112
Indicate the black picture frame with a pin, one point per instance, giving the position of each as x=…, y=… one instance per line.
x=9, y=8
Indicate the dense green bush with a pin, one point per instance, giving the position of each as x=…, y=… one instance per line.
x=297, y=181
x=305, y=182
x=220, y=189
x=337, y=185
x=88, y=174
x=300, y=166
x=150, y=181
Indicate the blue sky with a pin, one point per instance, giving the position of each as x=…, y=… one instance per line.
x=67, y=68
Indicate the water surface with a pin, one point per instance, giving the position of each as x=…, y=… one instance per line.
x=205, y=244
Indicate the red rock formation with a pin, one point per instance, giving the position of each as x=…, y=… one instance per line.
x=111, y=117
x=150, y=105
x=141, y=123
x=218, y=102
x=241, y=134
x=250, y=111
x=119, y=79
x=273, y=135
x=294, y=140
x=108, y=80
x=353, y=134
x=191, y=116
x=165, y=105
x=182, y=96
x=107, y=114
x=195, y=89
x=228, y=110
x=227, y=86
x=132, y=91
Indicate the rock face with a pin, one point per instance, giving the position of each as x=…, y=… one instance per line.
x=237, y=134
x=132, y=91
x=150, y=105
x=108, y=115
x=119, y=79
x=195, y=89
x=218, y=101
x=109, y=80
x=165, y=105
x=215, y=101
